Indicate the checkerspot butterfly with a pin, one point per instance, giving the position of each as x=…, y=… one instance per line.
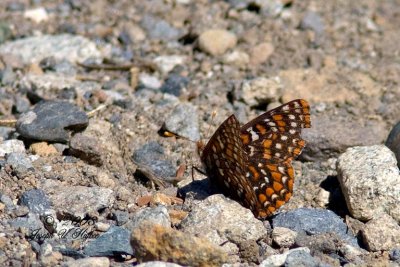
x=252, y=163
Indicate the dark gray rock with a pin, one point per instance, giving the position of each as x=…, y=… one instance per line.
x=312, y=21
x=21, y=105
x=19, y=163
x=6, y=200
x=300, y=258
x=36, y=201
x=31, y=222
x=159, y=29
x=112, y=243
x=314, y=221
x=152, y=156
x=393, y=142
x=184, y=121
x=174, y=84
x=52, y=121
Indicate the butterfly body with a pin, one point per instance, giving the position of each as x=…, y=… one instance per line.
x=252, y=163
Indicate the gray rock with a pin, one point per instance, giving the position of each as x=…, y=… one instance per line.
x=116, y=241
x=152, y=156
x=223, y=221
x=314, y=221
x=21, y=105
x=11, y=146
x=7, y=76
x=77, y=201
x=381, y=233
x=19, y=163
x=159, y=29
x=5, y=133
x=149, y=81
x=6, y=200
x=92, y=261
x=31, y=222
x=158, y=215
x=5, y=32
x=36, y=200
x=280, y=259
x=394, y=255
x=167, y=63
x=369, y=178
x=64, y=46
x=184, y=121
x=299, y=259
x=312, y=21
x=174, y=84
x=49, y=120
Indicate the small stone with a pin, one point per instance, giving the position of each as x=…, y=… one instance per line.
x=381, y=233
x=300, y=258
x=158, y=263
x=312, y=21
x=102, y=227
x=149, y=81
x=36, y=200
x=393, y=142
x=159, y=29
x=237, y=58
x=217, y=41
x=152, y=156
x=369, y=178
x=174, y=84
x=184, y=121
x=43, y=149
x=110, y=244
x=121, y=217
x=155, y=242
x=8, y=76
x=5, y=32
x=260, y=91
x=394, y=255
x=49, y=120
x=158, y=215
x=20, y=164
x=103, y=179
x=11, y=146
x=21, y=211
x=283, y=237
x=88, y=262
x=280, y=259
x=37, y=15
x=167, y=63
x=260, y=53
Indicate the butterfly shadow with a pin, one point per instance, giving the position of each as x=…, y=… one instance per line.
x=198, y=190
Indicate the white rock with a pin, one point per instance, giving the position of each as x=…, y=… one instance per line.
x=279, y=260
x=37, y=15
x=369, y=178
x=10, y=146
x=381, y=233
x=167, y=63
x=261, y=90
x=284, y=237
x=149, y=81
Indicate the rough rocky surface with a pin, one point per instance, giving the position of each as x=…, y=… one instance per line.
x=89, y=89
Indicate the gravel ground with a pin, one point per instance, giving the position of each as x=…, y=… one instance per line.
x=89, y=91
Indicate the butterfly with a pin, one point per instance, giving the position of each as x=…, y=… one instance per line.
x=252, y=163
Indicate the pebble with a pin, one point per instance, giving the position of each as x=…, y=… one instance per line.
x=149, y=81
x=283, y=237
x=156, y=242
x=37, y=15
x=158, y=264
x=158, y=215
x=300, y=258
x=260, y=53
x=216, y=41
x=36, y=200
x=369, y=178
x=5, y=32
x=110, y=244
x=121, y=217
x=237, y=58
x=312, y=21
x=159, y=29
x=11, y=146
x=73, y=48
x=174, y=84
x=86, y=148
x=260, y=91
x=183, y=121
x=20, y=163
x=49, y=120
x=280, y=259
x=152, y=155
x=43, y=149
x=167, y=63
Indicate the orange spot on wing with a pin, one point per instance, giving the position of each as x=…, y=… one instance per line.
x=269, y=192
x=261, y=129
x=279, y=203
x=245, y=138
x=288, y=195
x=255, y=173
x=277, y=117
x=267, y=143
x=262, y=198
x=276, y=176
x=281, y=123
x=277, y=186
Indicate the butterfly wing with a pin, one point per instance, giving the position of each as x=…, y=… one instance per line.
x=225, y=162
x=271, y=141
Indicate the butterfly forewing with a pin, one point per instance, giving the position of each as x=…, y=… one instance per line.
x=253, y=162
